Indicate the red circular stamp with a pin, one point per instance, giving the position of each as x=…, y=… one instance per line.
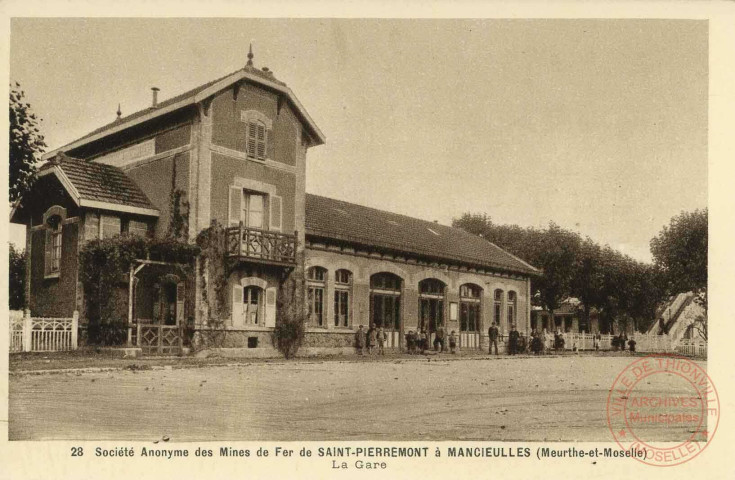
x=663, y=410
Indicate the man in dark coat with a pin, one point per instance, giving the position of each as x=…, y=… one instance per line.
x=513, y=341
x=439, y=341
x=492, y=334
x=360, y=340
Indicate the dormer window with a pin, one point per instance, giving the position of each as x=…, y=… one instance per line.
x=256, y=134
x=256, y=140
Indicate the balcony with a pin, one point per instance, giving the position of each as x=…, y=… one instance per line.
x=261, y=246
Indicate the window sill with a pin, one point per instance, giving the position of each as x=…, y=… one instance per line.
x=49, y=276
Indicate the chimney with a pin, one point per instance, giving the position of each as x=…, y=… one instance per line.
x=155, y=91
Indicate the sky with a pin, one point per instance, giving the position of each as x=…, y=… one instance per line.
x=597, y=125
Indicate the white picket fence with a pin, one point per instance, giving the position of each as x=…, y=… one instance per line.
x=645, y=343
x=692, y=348
x=43, y=334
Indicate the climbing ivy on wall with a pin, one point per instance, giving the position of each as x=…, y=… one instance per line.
x=213, y=267
x=104, y=266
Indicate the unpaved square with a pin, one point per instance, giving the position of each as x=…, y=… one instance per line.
x=411, y=398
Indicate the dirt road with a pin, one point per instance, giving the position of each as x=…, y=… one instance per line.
x=547, y=398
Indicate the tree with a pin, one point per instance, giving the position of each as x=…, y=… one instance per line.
x=26, y=144
x=17, y=270
x=680, y=251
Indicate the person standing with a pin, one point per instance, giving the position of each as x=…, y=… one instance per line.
x=423, y=340
x=411, y=342
x=453, y=342
x=360, y=340
x=492, y=334
x=513, y=341
x=381, y=341
x=440, y=339
x=371, y=338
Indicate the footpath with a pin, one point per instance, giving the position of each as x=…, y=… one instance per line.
x=92, y=361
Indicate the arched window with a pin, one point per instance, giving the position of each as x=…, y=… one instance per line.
x=498, y=313
x=469, y=307
x=342, y=294
x=431, y=304
x=53, y=238
x=385, y=300
x=316, y=283
x=512, y=307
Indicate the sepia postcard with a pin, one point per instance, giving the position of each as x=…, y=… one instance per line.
x=418, y=240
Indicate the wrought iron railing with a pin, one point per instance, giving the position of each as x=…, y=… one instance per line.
x=262, y=245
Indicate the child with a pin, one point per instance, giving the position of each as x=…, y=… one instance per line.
x=631, y=344
x=452, y=342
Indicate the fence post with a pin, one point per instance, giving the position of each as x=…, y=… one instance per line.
x=27, y=329
x=74, y=329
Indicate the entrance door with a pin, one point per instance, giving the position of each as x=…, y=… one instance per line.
x=431, y=305
x=431, y=314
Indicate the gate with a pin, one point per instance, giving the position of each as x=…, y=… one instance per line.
x=155, y=339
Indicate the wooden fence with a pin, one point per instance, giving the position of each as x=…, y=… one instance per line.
x=43, y=334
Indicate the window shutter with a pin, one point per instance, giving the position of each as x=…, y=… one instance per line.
x=180, y=295
x=269, y=148
x=235, y=205
x=270, y=307
x=252, y=139
x=237, y=306
x=47, y=251
x=91, y=226
x=276, y=212
x=261, y=141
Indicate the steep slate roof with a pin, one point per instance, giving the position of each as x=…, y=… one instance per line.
x=348, y=222
x=177, y=102
x=160, y=105
x=97, y=182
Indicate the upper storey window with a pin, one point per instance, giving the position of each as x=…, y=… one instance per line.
x=256, y=133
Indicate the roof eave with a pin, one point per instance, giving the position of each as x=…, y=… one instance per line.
x=57, y=171
x=318, y=136
x=475, y=263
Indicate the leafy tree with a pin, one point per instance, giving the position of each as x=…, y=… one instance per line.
x=680, y=251
x=622, y=289
x=26, y=144
x=556, y=254
x=17, y=269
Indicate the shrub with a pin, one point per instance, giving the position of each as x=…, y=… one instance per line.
x=288, y=334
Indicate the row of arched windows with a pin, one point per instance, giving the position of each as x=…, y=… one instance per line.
x=385, y=301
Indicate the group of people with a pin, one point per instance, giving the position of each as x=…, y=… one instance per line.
x=538, y=342
x=370, y=340
x=373, y=340
x=419, y=341
x=620, y=341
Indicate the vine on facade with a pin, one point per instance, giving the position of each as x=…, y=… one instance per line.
x=104, y=266
x=290, y=330
x=213, y=265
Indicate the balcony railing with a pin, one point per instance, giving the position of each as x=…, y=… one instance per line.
x=261, y=245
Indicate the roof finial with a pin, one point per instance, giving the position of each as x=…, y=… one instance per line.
x=250, y=56
x=119, y=112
